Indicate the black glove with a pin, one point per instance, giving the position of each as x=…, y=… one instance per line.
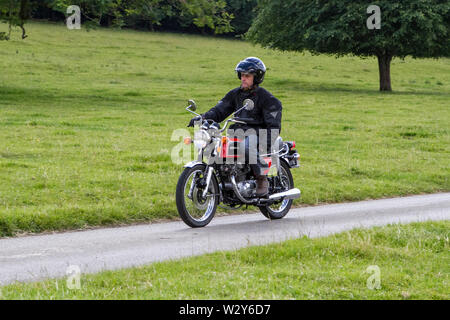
x=195, y=119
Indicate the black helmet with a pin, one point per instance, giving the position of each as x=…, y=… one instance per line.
x=252, y=65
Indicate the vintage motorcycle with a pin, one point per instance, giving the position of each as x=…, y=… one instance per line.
x=204, y=185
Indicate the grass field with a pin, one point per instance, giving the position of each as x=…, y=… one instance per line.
x=393, y=262
x=86, y=120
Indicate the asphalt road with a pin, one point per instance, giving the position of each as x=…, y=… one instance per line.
x=38, y=257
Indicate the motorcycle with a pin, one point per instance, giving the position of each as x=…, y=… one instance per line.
x=205, y=185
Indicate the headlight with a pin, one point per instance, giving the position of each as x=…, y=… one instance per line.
x=201, y=139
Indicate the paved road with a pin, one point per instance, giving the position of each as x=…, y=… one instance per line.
x=49, y=256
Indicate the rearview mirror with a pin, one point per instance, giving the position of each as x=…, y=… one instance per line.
x=249, y=104
x=192, y=105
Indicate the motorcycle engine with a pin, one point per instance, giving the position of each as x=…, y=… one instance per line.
x=247, y=188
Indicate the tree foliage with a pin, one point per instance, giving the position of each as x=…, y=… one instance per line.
x=93, y=11
x=243, y=12
x=232, y=17
x=147, y=13
x=206, y=13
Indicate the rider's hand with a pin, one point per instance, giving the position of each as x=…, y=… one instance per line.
x=195, y=119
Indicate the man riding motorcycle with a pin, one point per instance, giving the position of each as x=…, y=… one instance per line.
x=265, y=115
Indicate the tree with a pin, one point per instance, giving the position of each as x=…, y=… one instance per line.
x=417, y=28
x=151, y=12
x=91, y=10
x=15, y=13
x=243, y=11
x=206, y=13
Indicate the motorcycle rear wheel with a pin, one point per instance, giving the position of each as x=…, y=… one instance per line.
x=195, y=211
x=280, y=209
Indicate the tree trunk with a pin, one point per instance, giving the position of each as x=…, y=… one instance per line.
x=384, y=67
x=24, y=14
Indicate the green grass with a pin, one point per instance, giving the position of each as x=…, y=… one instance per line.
x=413, y=263
x=86, y=120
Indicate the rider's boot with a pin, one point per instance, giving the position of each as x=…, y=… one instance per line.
x=262, y=186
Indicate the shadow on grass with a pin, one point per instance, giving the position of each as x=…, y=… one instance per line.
x=304, y=86
x=19, y=95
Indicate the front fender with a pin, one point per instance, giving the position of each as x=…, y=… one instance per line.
x=193, y=163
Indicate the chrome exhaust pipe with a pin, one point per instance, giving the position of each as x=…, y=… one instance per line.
x=238, y=194
x=293, y=193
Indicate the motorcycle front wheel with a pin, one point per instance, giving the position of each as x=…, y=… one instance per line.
x=195, y=210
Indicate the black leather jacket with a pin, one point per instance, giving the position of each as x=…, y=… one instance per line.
x=266, y=114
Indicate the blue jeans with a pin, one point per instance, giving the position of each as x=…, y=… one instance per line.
x=252, y=156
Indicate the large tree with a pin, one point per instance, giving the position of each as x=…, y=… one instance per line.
x=417, y=28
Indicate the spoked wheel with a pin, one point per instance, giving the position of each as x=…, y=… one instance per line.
x=195, y=210
x=285, y=182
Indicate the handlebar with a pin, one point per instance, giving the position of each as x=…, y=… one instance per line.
x=235, y=119
x=247, y=120
x=239, y=120
x=208, y=122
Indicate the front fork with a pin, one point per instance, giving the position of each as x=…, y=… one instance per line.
x=191, y=189
x=208, y=180
x=209, y=174
x=209, y=170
